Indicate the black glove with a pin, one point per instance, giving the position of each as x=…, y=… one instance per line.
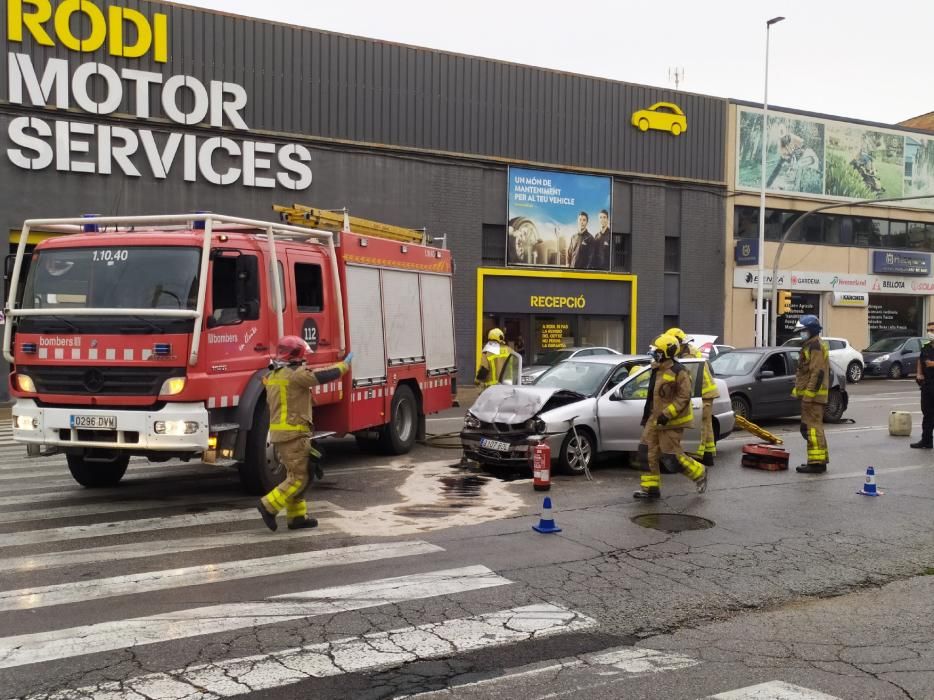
x=662, y=420
x=642, y=423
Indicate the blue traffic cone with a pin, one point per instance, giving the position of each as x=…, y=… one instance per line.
x=546, y=525
x=869, y=488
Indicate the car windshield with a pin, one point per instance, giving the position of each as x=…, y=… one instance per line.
x=735, y=364
x=886, y=345
x=583, y=377
x=131, y=277
x=553, y=357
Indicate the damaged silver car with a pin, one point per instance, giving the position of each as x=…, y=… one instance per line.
x=603, y=395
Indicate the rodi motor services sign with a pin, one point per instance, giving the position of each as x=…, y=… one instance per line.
x=98, y=89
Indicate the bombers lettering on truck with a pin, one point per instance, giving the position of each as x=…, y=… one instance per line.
x=60, y=342
x=100, y=89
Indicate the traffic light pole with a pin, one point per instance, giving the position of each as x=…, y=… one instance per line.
x=795, y=226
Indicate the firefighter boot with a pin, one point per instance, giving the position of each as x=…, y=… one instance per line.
x=707, y=459
x=812, y=468
x=649, y=487
x=302, y=523
x=268, y=517
x=701, y=483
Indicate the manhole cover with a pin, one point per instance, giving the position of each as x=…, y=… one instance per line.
x=672, y=522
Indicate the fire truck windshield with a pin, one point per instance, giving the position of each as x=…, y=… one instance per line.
x=128, y=277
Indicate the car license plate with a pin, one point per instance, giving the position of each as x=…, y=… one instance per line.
x=497, y=445
x=95, y=422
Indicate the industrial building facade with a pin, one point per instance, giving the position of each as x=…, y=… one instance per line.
x=144, y=107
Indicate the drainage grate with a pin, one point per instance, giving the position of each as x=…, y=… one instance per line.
x=672, y=522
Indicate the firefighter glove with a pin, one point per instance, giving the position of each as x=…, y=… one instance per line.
x=662, y=420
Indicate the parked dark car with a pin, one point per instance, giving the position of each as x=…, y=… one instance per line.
x=760, y=381
x=892, y=357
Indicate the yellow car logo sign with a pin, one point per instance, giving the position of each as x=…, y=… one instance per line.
x=662, y=116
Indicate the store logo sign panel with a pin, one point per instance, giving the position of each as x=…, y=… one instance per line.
x=901, y=263
x=746, y=251
x=99, y=89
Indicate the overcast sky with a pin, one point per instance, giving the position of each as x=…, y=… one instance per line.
x=861, y=59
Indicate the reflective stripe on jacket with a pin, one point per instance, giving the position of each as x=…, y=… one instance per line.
x=812, y=378
x=672, y=395
x=494, y=364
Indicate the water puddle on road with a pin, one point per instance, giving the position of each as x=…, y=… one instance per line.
x=434, y=496
x=672, y=522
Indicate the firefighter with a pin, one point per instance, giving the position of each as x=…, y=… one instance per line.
x=924, y=376
x=811, y=382
x=667, y=413
x=492, y=359
x=290, y=427
x=707, y=450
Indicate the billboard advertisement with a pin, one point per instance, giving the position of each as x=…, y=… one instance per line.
x=838, y=160
x=559, y=220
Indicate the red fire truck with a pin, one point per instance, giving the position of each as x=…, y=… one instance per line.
x=150, y=335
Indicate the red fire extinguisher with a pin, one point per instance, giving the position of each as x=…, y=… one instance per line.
x=541, y=466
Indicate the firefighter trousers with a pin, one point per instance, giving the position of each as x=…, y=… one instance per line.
x=664, y=444
x=812, y=430
x=290, y=494
x=708, y=446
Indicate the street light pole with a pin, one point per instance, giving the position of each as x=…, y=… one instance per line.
x=764, y=147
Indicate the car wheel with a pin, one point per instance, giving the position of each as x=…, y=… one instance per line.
x=741, y=406
x=675, y=129
x=854, y=372
x=643, y=124
x=833, y=411
x=569, y=461
x=895, y=371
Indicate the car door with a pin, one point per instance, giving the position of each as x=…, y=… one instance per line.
x=691, y=438
x=774, y=383
x=791, y=405
x=910, y=351
x=619, y=410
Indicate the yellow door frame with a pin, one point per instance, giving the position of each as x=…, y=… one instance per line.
x=484, y=272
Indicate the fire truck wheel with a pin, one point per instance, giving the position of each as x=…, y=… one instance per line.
x=97, y=473
x=399, y=434
x=260, y=470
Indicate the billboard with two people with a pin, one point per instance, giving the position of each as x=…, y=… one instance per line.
x=559, y=220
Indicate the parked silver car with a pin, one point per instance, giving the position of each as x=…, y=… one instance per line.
x=604, y=395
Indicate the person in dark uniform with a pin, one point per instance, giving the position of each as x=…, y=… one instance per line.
x=601, y=255
x=924, y=375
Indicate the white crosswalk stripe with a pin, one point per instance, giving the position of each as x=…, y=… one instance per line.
x=773, y=690
x=195, y=622
x=76, y=591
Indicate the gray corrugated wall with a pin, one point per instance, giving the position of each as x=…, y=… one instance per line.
x=318, y=84
x=703, y=261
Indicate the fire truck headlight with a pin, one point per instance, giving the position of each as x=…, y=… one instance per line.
x=175, y=427
x=27, y=423
x=173, y=386
x=25, y=383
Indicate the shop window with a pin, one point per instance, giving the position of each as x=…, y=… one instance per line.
x=917, y=235
x=898, y=234
x=622, y=252
x=672, y=254
x=309, y=292
x=234, y=288
x=493, y=244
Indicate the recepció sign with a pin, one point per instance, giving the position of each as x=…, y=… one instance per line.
x=835, y=282
x=99, y=89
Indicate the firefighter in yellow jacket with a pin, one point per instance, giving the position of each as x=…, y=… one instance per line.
x=811, y=383
x=290, y=427
x=707, y=450
x=492, y=359
x=667, y=413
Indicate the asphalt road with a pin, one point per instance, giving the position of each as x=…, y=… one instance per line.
x=426, y=579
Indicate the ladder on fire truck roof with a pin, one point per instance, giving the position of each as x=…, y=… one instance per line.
x=340, y=220
x=155, y=224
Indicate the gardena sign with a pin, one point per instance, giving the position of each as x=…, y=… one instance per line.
x=99, y=90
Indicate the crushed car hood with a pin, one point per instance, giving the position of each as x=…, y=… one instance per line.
x=515, y=404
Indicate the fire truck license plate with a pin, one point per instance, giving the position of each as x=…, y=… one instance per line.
x=494, y=445
x=94, y=422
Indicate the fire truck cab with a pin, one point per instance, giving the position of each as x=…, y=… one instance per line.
x=151, y=335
